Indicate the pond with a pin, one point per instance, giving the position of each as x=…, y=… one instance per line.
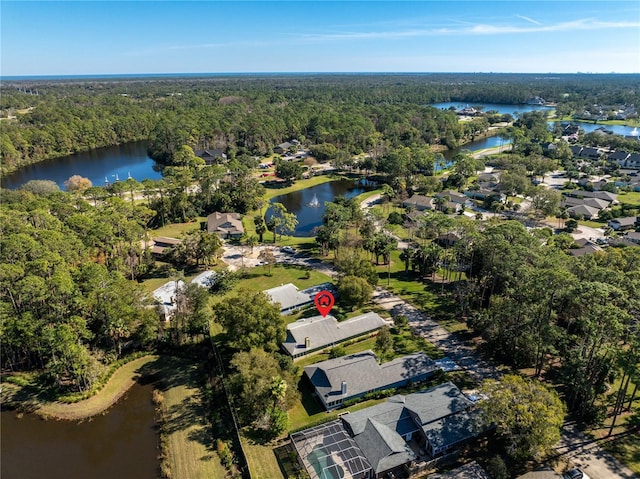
x=110, y=163
x=490, y=142
x=121, y=444
x=308, y=204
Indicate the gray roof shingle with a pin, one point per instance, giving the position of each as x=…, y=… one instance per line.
x=362, y=373
x=325, y=331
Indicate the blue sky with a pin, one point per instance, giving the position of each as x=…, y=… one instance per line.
x=116, y=37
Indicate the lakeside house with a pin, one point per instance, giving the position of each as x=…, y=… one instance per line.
x=225, y=225
x=211, y=156
x=535, y=100
x=307, y=335
x=392, y=438
x=351, y=377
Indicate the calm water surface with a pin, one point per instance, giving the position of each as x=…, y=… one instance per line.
x=310, y=217
x=502, y=109
x=121, y=444
x=97, y=165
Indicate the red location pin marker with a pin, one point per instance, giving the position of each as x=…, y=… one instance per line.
x=324, y=302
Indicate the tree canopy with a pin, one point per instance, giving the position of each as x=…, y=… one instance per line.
x=251, y=321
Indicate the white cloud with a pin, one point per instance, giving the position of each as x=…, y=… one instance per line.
x=529, y=19
x=476, y=29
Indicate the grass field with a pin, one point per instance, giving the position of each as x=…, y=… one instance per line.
x=191, y=445
x=262, y=460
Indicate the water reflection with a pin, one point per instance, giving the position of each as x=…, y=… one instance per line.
x=310, y=217
x=121, y=444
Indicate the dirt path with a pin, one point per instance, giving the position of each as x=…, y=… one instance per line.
x=119, y=383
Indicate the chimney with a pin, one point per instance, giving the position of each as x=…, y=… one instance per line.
x=307, y=342
x=344, y=388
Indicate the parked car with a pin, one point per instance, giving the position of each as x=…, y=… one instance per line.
x=288, y=249
x=576, y=473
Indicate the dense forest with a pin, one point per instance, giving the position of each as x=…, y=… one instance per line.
x=250, y=115
x=67, y=305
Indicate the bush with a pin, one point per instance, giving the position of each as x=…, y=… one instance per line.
x=337, y=352
x=400, y=322
x=497, y=468
x=395, y=218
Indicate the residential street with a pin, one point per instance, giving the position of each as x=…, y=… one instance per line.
x=573, y=446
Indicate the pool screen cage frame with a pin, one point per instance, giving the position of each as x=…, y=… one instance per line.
x=336, y=441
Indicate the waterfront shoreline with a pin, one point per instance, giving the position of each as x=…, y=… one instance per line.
x=115, y=388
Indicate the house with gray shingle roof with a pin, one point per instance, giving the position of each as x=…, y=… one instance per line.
x=603, y=195
x=632, y=236
x=313, y=334
x=584, y=211
x=455, y=197
x=633, y=161
x=225, y=225
x=291, y=299
x=419, y=203
x=438, y=419
x=618, y=156
x=351, y=377
x=384, y=448
x=622, y=224
x=211, y=156
x=392, y=436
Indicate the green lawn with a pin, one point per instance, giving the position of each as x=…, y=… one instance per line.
x=257, y=278
x=262, y=460
x=630, y=197
x=174, y=230
x=429, y=297
x=367, y=194
x=300, y=185
x=191, y=451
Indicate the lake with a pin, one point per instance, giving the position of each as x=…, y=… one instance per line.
x=310, y=217
x=110, y=162
x=623, y=130
x=502, y=109
x=121, y=444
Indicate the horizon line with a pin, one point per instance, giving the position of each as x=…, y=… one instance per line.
x=271, y=73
